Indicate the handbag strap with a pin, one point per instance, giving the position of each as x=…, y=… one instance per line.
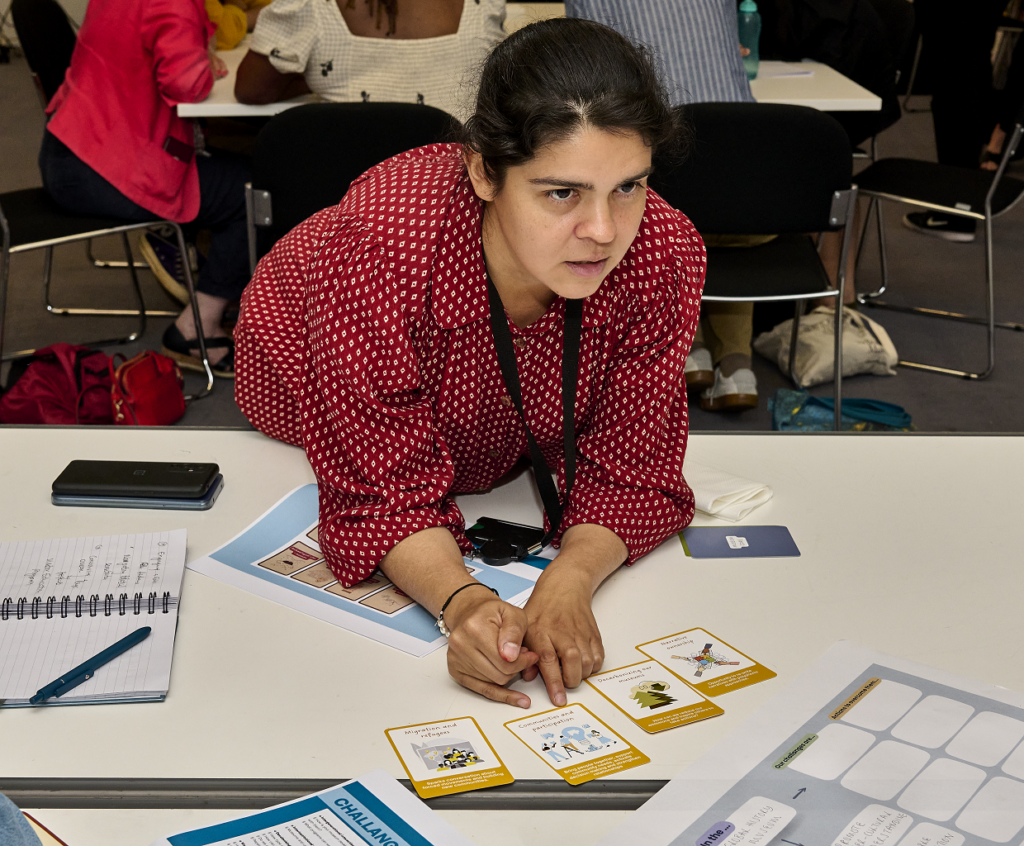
x=553, y=507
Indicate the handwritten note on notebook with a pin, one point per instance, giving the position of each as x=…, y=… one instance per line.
x=63, y=601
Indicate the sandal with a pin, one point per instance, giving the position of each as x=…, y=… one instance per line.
x=988, y=157
x=180, y=349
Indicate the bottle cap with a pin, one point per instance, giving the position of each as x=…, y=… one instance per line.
x=748, y=6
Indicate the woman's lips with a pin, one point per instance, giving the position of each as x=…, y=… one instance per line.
x=588, y=268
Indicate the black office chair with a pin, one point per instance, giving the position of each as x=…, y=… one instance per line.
x=306, y=158
x=31, y=220
x=975, y=194
x=756, y=169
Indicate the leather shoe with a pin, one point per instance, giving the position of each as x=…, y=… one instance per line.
x=731, y=393
x=699, y=371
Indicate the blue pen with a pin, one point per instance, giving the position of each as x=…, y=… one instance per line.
x=86, y=670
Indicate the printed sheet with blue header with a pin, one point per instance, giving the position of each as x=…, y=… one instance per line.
x=863, y=749
x=279, y=558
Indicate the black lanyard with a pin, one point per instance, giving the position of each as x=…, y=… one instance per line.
x=570, y=376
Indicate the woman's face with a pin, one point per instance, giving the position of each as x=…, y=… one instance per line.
x=565, y=219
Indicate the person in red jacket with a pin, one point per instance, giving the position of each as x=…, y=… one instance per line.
x=114, y=145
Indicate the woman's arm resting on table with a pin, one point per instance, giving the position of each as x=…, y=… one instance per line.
x=258, y=82
x=485, y=648
x=561, y=629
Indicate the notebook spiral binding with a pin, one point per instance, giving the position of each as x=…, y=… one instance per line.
x=20, y=609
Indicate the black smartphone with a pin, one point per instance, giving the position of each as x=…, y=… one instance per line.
x=201, y=503
x=133, y=479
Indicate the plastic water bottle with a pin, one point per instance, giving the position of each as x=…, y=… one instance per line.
x=750, y=35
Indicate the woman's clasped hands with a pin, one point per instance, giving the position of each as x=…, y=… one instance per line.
x=556, y=636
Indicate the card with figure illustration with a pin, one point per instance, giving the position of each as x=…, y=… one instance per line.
x=652, y=697
x=450, y=756
x=576, y=744
x=706, y=663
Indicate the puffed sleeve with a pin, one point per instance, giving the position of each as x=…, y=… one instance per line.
x=630, y=456
x=175, y=35
x=368, y=428
x=285, y=33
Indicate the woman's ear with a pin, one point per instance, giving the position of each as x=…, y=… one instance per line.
x=482, y=185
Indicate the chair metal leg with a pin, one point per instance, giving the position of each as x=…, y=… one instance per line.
x=95, y=262
x=913, y=78
x=837, y=369
x=871, y=299
x=102, y=312
x=883, y=257
x=139, y=311
x=988, y=320
x=798, y=311
x=200, y=336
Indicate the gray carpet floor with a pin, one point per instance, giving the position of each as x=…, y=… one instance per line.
x=923, y=271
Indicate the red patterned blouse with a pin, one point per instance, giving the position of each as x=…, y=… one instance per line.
x=364, y=337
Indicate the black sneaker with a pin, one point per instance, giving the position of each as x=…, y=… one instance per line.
x=948, y=227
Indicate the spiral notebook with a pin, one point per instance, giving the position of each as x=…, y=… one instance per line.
x=64, y=601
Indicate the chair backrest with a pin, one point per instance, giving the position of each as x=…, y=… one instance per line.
x=47, y=40
x=307, y=157
x=759, y=169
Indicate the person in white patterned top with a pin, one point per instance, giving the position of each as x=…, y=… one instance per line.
x=426, y=51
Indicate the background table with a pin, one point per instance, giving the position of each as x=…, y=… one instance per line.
x=825, y=89
x=909, y=545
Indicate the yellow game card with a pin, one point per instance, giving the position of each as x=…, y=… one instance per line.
x=704, y=662
x=576, y=744
x=644, y=693
x=451, y=756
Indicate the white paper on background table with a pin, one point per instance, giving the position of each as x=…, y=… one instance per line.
x=862, y=749
x=373, y=809
x=279, y=558
x=772, y=69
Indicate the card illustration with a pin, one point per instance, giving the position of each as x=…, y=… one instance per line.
x=705, y=662
x=296, y=557
x=455, y=754
x=706, y=659
x=576, y=744
x=651, y=694
x=445, y=757
x=652, y=697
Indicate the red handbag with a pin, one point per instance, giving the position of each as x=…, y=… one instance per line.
x=146, y=390
x=61, y=384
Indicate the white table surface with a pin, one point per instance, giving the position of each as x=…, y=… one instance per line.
x=909, y=545
x=825, y=89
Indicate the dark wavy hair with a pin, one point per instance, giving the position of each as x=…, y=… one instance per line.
x=553, y=77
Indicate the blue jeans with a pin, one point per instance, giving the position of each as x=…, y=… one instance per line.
x=14, y=828
x=79, y=189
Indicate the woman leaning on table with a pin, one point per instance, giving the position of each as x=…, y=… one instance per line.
x=366, y=337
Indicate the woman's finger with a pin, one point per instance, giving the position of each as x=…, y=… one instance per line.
x=492, y=691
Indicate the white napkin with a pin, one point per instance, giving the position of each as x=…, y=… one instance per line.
x=723, y=495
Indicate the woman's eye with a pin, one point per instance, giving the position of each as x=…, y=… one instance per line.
x=630, y=187
x=561, y=194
